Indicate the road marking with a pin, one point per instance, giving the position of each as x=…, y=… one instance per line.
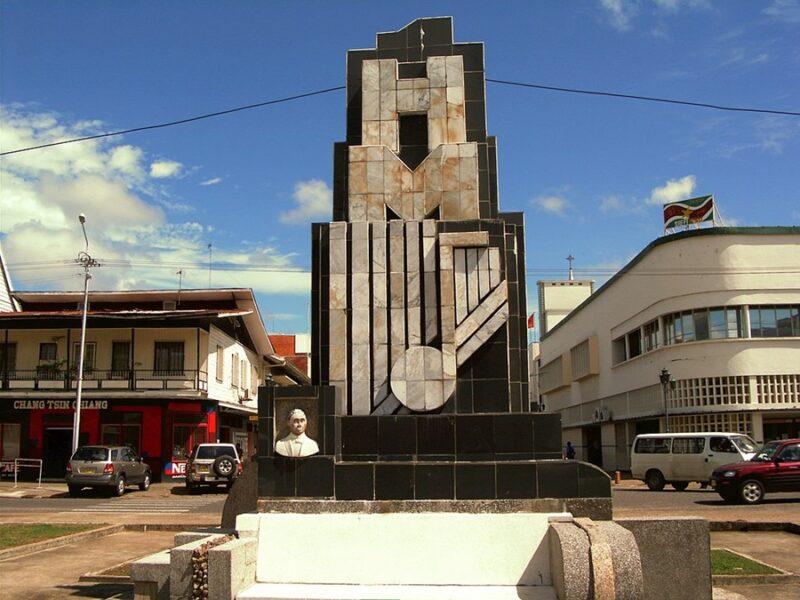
x=144, y=505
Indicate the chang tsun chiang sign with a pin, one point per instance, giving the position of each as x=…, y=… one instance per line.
x=687, y=212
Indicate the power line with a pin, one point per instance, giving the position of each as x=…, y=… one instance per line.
x=341, y=87
x=178, y=122
x=645, y=98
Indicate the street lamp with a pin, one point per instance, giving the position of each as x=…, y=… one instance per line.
x=666, y=382
x=86, y=261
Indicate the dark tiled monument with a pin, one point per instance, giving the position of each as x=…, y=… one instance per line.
x=418, y=294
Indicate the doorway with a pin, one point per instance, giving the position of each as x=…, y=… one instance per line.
x=594, y=446
x=56, y=451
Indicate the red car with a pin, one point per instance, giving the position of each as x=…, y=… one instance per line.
x=774, y=468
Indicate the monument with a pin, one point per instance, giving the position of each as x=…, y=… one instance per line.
x=413, y=466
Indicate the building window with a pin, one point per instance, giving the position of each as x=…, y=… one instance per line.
x=168, y=358
x=702, y=324
x=243, y=374
x=48, y=367
x=122, y=429
x=634, y=343
x=618, y=354
x=48, y=351
x=775, y=321
x=8, y=358
x=234, y=371
x=90, y=349
x=120, y=359
x=651, y=336
x=220, y=363
x=10, y=440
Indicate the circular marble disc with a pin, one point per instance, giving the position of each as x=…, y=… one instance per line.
x=418, y=381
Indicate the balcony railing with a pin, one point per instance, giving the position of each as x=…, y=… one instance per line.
x=55, y=379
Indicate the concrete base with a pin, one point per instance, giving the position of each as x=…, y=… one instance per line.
x=271, y=591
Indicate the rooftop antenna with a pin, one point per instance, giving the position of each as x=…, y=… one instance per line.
x=180, y=285
x=570, y=275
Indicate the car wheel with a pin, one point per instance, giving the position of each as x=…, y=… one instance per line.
x=751, y=492
x=145, y=485
x=225, y=466
x=680, y=485
x=74, y=490
x=654, y=480
x=119, y=487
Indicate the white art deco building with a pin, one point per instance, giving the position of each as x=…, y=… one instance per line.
x=718, y=308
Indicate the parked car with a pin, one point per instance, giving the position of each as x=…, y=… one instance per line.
x=107, y=467
x=680, y=458
x=774, y=468
x=212, y=465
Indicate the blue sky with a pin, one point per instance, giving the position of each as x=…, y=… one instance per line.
x=589, y=172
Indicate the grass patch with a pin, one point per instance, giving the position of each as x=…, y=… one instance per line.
x=19, y=534
x=725, y=562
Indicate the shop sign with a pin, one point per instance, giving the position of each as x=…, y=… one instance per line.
x=59, y=404
x=176, y=468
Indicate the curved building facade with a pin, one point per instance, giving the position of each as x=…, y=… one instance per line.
x=714, y=313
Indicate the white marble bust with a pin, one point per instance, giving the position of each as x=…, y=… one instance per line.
x=297, y=443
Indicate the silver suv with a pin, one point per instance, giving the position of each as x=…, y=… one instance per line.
x=212, y=465
x=107, y=467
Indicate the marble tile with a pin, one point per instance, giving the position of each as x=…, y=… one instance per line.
x=432, y=201
x=448, y=363
x=405, y=84
x=429, y=228
x=468, y=150
x=460, y=276
x=337, y=291
x=437, y=132
x=360, y=253
x=360, y=290
x=432, y=363
x=370, y=75
x=419, y=177
x=375, y=207
x=433, y=394
x=421, y=83
x=450, y=175
x=389, y=135
x=470, y=207
x=414, y=315
x=337, y=231
x=337, y=325
x=483, y=334
x=380, y=320
x=494, y=267
x=451, y=206
x=483, y=273
x=449, y=151
x=476, y=319
x=472, y=279
x=396, y=254
x=397, y=319
x=361, y=362
x=397, y=290
x=398, y=369
x=433, y=175
x=371, y=133
x=379, y=255
x=357, y=178
x=412, y=246
x=445, y=253
x=406, y=180
x=362, y=398
x=455, y=95
x=361, y=326
x=357, y=154
x=399, y=388
x=447, y=287
x=370, y=105
x=375, y=177
x=437, y=71
x=359, y=231
x=431, y=294
x=429, y=254
x=431, y=326
x=378, y=230
x=456, y=129
x=438, y=103
x=405, y=97
x=448, y=325
x=380, y=362
x=394, y=202
x=421, y=100
x=464, y=239
x=337, y=255
x=415, y=365
x=415, y=395
x=418, y=211
x=468, y=173
x=375, y=153
x=388, y=74
x=408, y=206
x=412, y=289
x=388, y=110
x=396, y=349
x=392, y=176
x=357, y=207
x=454, y=67
x=337, y=364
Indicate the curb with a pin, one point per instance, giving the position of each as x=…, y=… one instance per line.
x=60, y=541
x=734, y=580
x=745, y=526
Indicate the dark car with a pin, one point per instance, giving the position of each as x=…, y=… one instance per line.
x=774, y=468
x=107, y=467
x=212, y=465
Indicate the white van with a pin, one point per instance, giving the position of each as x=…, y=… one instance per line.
x=680, y=458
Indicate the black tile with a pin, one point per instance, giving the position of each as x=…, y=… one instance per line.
x=491, y=395
x=394, y=482
x=328, y=445
x=393, y=39
x=546, y=433
x=434, y=482
x=399, y=54
x=315, y=476
x=475, y=113
x=412, y=70
x=516, y=480
x=474, y=437
x=436, y=436
x=397, y=435
x=472, y=55
x=474, y=87
x=557, y=479
x=464, y=396
x=359, y=435
x=593, y=482
x=513, y=434
x=438, y=31
x=475, y=482
x=355, y=482
x=276, y=476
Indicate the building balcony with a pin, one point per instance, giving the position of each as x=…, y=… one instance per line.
x=50, y=379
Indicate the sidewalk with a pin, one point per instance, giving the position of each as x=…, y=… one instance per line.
x=54, y=488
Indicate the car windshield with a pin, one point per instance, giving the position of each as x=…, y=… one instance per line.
x=215, y=451
x=89, y=453
x=744, y=443
x=766, y=453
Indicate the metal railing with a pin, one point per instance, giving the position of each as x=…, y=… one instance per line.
x=27, y=462
x=49, y=378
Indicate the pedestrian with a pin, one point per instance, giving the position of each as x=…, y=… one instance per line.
x=569, y=451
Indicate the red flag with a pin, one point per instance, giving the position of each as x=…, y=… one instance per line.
x=531, y=322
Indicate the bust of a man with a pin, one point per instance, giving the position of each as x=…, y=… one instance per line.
x=297, y=443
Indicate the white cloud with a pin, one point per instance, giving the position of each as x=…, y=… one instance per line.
x=673, y=191
x=165, y=168
x=313, y=198
x=785, y=11
x=611, y=204
x=44, y=190
x=620, y=13
x=555, y=205
x=212, y=181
